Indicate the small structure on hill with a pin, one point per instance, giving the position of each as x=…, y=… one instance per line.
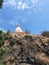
x=18, y=29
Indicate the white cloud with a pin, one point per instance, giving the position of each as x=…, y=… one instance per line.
x=10, y=3
x=21, y=4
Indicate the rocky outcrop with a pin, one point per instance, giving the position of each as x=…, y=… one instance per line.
x=27, y=50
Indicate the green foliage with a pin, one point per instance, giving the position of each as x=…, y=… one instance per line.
x=12, y=41
x=1, y=41
x=7, y=35
x=1, y=32
x=4, y=36
x=1, y=1
x=17, y=41
x=3, y=51
x=1, y=64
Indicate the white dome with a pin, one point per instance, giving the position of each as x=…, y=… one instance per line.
x=18, y=29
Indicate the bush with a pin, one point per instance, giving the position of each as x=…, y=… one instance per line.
x=45, y=33
x=2, y=52
x=1, y=41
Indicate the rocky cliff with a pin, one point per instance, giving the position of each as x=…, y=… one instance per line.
x=26, y=50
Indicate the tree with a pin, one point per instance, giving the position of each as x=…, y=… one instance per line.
x=27, y=32
x=45, y=33
x=2, y=35
x=8, y=32
x=1, y=32
x=7, y=35
x=1, y=41
x=1, y=2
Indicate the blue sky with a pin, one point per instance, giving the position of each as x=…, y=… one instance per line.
x=32, y=15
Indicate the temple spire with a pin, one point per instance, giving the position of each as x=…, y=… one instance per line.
x=18, y=29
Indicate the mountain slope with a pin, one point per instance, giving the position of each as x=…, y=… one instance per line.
x=26, y=49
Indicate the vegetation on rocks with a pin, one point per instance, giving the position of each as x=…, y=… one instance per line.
x=24, y=49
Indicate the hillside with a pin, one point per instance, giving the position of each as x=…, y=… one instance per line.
x=25, y=49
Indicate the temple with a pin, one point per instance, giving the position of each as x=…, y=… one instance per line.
x=18, y=29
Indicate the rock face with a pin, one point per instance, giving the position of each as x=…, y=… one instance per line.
x=27, y=50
